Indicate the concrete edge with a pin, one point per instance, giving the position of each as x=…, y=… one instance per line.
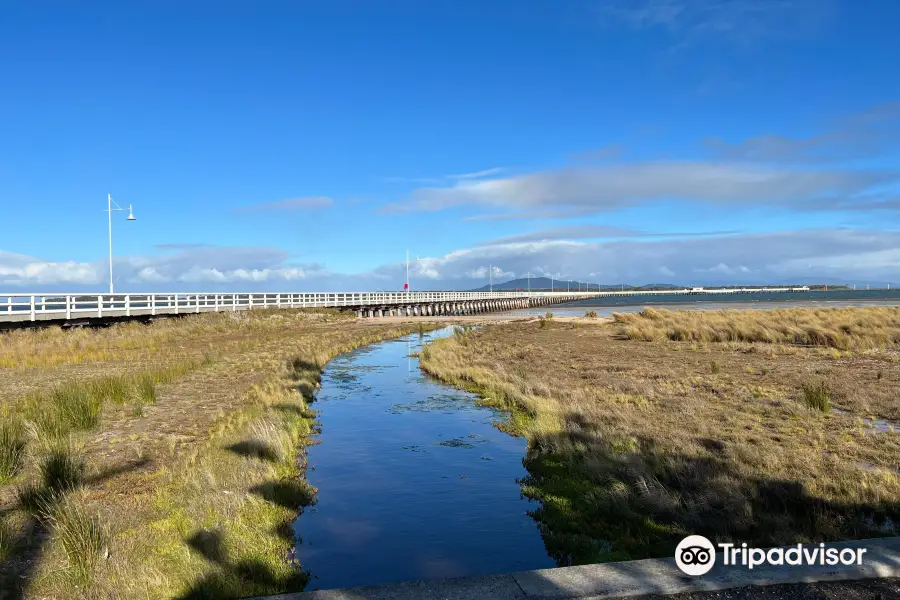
x=623, y=579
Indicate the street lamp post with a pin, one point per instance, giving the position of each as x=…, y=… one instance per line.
x=407, y=286
x=109, y=211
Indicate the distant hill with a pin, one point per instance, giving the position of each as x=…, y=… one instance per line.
x=544, y=283
x=661, y=286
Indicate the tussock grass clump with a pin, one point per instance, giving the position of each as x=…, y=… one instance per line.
x=838, y=328
x=548, y=316
x=7, y=541
x=82, y=536
x=591, y=314
x=76, y=405
x=146, y=389
x=73, y=406
x=110, y=389
x=12, y=446
x=61, y=471
x=817, y=395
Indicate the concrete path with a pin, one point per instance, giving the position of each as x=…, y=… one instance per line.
x=618, y=580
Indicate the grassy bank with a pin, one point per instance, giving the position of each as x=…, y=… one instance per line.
x=634, y=444
x=841, y=328
x=163, y=470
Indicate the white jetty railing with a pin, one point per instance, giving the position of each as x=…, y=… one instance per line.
x=16, y=307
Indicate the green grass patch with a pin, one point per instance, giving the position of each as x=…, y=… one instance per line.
x=76, y=405
x=61, y=471
x=83, y=538
x=817, y=395
x=12, y=447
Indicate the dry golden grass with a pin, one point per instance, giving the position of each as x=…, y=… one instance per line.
x=191, y=475
x=840, y=328
x=633, y=445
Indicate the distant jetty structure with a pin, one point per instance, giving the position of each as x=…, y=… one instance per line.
x=23, y=310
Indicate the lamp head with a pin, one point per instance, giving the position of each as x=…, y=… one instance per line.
x=130, y=214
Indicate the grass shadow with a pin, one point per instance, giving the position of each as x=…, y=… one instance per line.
x=291, y=494
x=622, y=501
x=254, y=449
x=236, y=579
x=61, y=473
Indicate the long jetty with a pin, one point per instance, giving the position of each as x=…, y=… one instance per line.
x=18, y=310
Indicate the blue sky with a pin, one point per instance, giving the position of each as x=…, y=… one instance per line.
x=307, y=145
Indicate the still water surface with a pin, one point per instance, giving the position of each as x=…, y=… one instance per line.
x=414, y=481
x=759, y=301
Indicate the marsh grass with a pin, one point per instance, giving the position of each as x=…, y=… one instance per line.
x=239, y=472
x=591, y=314
x=77, y=405
x=626, y=462
x=24, y=350
x=12, y=447
x=817, y=395
x=837, y=328
x=110, y=389
x=146, y=389
x=213, y=520
x=7, y=541
x=61, y=471
x=82, y=537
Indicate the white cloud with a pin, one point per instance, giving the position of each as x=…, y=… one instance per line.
x=150, y=275
x=189, y=264
x=609, y=187
x=870, y=133
x=759, y=258
x=586, y=232
x=444, y=179
x=723, y=269
x=743, y=23
x=477, y=174
x=742, y=258
x=21, y=270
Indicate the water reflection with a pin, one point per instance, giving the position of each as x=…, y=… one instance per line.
x=414, y=481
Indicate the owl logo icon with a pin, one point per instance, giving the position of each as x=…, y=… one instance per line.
x=695, y=555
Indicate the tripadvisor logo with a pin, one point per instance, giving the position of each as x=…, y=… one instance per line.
x=695, y=555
